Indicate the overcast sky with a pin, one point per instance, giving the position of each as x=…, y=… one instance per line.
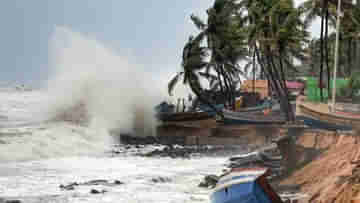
x=152, y=32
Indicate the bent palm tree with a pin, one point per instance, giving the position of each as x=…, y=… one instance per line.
x=193, y=61
x=223, y=46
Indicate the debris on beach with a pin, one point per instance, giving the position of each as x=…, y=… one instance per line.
x=268, y=157
x=174, y=150
x=161, y=180
x=72, y=186
x=94, y=191
x=209, y=181
x=10, y=201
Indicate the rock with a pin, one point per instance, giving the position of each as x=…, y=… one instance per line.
x=94, y=191
x=203, y=184
x=161, y=180
x=13, y=201
x=103, y=182
x=96, y=182
x=70, y=186
x=118, y=182
x=209, y=181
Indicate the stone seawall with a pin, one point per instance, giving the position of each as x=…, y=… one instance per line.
x=221, y=135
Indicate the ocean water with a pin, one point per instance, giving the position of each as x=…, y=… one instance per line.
x=37, y=156
x=60, y=134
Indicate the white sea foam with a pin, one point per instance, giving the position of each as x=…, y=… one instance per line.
x=113, y=92
x=88, y=82
x=91, y=90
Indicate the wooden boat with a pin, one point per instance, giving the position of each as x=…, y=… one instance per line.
x=245, y=185
x=267, y=104
x=209, y=110
x=204, y=113
x=316, y=115
x=183, y=116
x=232, y=117
x=314, y=123
x=347, y=108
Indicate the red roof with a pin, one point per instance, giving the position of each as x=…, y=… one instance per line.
x=294, y=85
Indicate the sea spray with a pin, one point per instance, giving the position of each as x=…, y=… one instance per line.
x=90, y=83
x=90, y=91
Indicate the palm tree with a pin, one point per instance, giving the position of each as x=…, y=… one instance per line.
x=277, y=35
x=269, y=32
x=193, y=61
x=313, y=9
x=223, y=45
x=326, y=10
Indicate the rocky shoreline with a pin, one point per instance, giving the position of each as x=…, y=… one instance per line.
x=268, y=156
x=161, y=147
x=295, y=162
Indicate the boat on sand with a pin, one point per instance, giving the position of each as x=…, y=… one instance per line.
x=184, y=116
x=319, y=115
x=245, y=185
x=259, y=118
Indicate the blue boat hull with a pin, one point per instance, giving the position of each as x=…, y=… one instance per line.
x=229, y=121
x=318, y=124
x=249, y=192
x=251, y=119
x=211, y=111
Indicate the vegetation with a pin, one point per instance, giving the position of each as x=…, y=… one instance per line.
x=270, y=38
x=349, y=38
x=352, y=89
x=215, y=52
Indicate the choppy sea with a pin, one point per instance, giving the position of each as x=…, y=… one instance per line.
x=36, y=157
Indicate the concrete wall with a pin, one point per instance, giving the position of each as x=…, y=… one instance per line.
x=222, y=135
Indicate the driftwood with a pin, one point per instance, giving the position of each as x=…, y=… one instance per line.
x=267, y=157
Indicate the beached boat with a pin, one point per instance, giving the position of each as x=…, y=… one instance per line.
x=314, y=123
x=204, y=113
x=319, y=115
x=183, y=116
x=232, y=117
x=267, y=104
x=347, y=108
x=245, y=185
x=209, y=110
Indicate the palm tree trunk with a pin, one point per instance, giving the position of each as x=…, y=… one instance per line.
x=278, y=85
x=227, y=86
x=262, y=67
x=326, y=46
x=349, y=57
x=355, y=55
x=220, y=81
x=254, y=57
x=321, y=54
x=282, y=80
x=286, y=90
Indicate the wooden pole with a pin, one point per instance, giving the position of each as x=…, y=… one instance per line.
x=336, y=55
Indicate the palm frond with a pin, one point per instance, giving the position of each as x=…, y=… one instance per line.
x=173, y=82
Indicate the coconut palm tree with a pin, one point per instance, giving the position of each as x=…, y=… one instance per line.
x=326, y=10
x=312, y=10
x=193, y=61
x=277, y=35
x=223, y=45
